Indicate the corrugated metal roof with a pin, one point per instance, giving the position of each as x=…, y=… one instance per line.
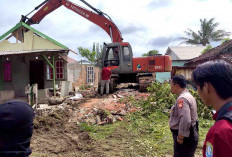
x=30, y=52
x=185, y=52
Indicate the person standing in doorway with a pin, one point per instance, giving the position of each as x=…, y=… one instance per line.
x=214, y=85
x=183, y=119
x=105, y=79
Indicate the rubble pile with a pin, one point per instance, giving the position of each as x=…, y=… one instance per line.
x=90, y=93
x=97, y=110
x=131, y=92
x=109, y=109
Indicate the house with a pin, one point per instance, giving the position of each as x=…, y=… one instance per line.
x=82, y=74
x=28, y=56
x=221, y=52
x=181, y=55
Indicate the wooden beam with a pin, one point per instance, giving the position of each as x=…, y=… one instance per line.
x=54, y=76
x=63, y=57
x=47, y=60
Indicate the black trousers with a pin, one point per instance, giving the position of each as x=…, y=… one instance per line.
x=189, y=146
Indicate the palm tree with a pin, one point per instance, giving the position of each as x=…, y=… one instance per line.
x=206, y=34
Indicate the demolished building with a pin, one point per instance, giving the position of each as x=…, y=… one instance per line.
x=29, y=57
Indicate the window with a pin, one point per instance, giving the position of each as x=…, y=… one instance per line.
x=7, y=71
x=90, y=75
x=59, y=70
x=112, y=56
x=126, y=54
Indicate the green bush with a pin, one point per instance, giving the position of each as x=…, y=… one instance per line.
x=202, y=110
x=161, y=98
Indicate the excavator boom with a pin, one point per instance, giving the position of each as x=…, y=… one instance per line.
x=117, y=55
x=99, y=18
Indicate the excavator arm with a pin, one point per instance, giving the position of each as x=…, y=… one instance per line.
x=99, y=18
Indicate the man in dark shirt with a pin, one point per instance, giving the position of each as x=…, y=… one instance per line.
x=214, y=85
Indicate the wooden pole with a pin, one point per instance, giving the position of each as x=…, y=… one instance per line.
x=54, y=76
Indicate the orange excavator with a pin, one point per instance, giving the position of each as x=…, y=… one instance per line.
x=118, y=54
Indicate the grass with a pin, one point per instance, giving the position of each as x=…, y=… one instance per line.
x=103, y=132
x=149, y=136
x=144, y=133
x=153, y=133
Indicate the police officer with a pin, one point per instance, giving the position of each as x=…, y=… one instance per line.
x=183, y=119
x=214, y=85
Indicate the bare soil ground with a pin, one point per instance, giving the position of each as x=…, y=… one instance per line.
x=59, y=134
x=55, y=135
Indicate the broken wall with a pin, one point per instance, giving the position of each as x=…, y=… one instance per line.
x=20, y=70
x=82, y=80
x=65, y=88
x=19, y=75
x=187, y=73
x=73, y=71
x=6, y=96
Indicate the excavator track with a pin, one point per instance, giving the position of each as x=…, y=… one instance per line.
x=113, y=85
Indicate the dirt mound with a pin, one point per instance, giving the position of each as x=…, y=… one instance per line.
x=59, y=133
x=54, y=119
x=53, y=135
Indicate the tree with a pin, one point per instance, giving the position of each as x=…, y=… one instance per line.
x=208, y=47
x=151, y=53
x=208, y=32
x=94, y=56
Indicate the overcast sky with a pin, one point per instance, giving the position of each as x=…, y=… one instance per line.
x=145, y=24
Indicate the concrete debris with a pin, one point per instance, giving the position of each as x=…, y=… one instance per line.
x=89, y=93
x=97, y=110
x=55, y=100
x=119, y=96
x=114, y=96
x=76, y=97
x=98, y=119
x=119, y=118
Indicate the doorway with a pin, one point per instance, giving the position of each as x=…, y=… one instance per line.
x=37, y=73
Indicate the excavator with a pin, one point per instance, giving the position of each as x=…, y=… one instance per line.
x=118, y=54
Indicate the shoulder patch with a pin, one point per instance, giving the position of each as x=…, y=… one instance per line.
x=180, y=103
x=209, y=150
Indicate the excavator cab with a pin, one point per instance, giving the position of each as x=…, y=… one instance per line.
x=118, y=56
